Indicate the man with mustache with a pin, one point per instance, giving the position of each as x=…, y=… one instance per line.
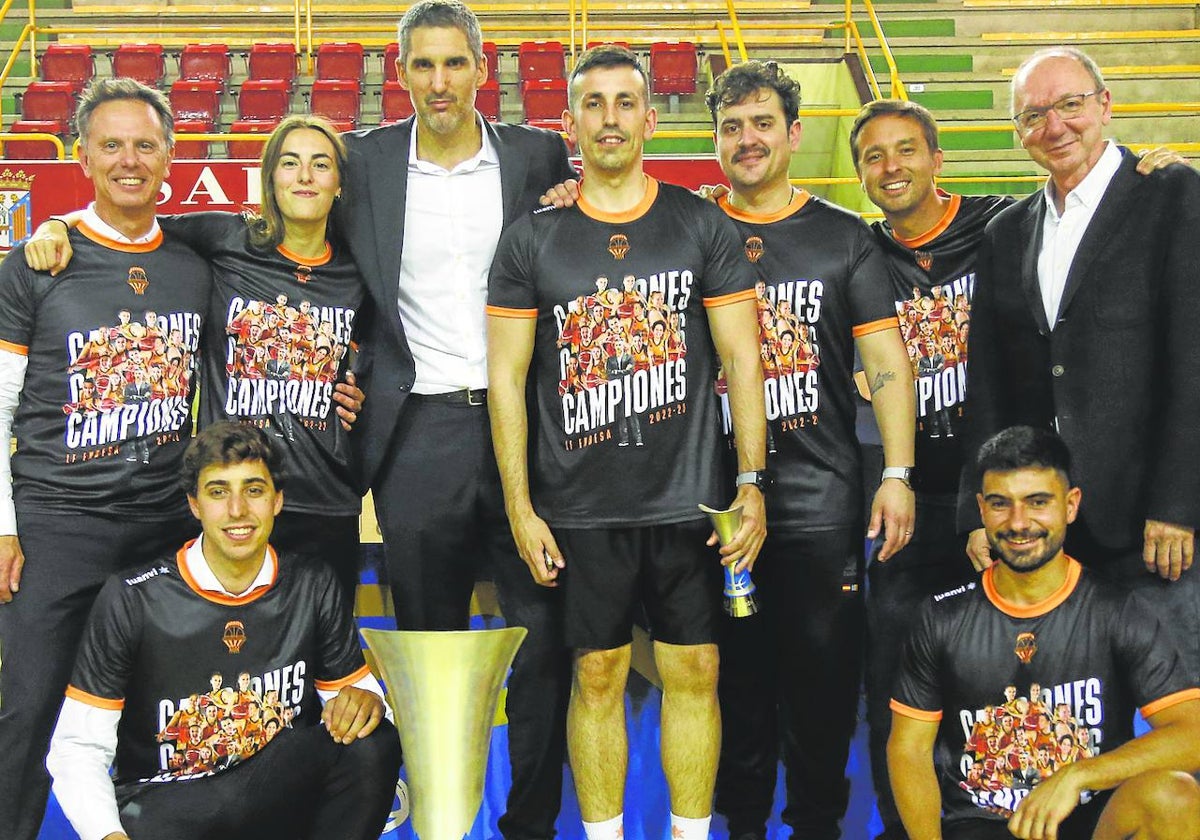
x=1038, y=618
x=811, y=626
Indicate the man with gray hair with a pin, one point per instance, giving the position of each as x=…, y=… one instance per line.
x=92, y=487
x=427, y=199
x=1083, y=321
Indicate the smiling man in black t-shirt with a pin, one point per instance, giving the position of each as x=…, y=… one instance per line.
x=1013, y=712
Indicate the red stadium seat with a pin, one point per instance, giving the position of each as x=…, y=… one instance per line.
x=264, y=99
x=537, y=60
x=48, y=108
x=673, y=67
x=487, y=100
x=68, y=63
x=205, y=63
x=196, y=106
x=250, y=149
x=396, y=104
x=391, y=54
x=143, y=62
x=545, y=101
x=492, y=53
x=273, y=61
x=337, y=100
x=340, y=60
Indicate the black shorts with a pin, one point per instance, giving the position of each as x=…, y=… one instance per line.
x=667, y=569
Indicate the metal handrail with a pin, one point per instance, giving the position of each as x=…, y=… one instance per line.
x=59, y=147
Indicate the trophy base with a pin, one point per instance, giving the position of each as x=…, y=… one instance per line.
x=741, y=606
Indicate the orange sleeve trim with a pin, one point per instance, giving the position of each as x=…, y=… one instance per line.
x=882, y=324
x=338, y=685
x=1033, y=610
x=732, y=297
x=799, y=199
x=127, y=247
x=311, y=262
x=506, y=312
x=915, y=714
x=92, y=700
x=19, y=349
x=938, y=229
x=1170, y=700
x=630, y=215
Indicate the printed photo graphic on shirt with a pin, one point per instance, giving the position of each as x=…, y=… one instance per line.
x=788, y=315
x=129, y=384
x=935, y=328
x=217, y=727
x=282, y=357
x=1010, y=747
x=622, y=358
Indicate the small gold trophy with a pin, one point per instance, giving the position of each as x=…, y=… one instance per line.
x=739, y=589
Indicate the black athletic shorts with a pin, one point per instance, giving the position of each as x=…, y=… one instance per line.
x=667, y=569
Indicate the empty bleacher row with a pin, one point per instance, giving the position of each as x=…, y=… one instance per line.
x=273, y=87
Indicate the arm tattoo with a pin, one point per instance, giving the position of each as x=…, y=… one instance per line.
x=882, y=378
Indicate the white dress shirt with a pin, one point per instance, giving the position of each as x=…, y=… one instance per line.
x=1061, y=235
x=452, y=224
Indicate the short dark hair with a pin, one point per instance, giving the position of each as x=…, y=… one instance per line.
x=441, y=13
x=100, y=91
x=897, y=107
x=1022, y=447
x=228, y=442
x=738, y=83
x=603, y=56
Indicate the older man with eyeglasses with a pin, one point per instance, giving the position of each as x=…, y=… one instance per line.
x=1083, y=321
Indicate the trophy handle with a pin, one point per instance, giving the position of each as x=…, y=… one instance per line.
x=739, y=589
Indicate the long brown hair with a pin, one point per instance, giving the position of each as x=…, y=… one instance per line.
x=267, y=228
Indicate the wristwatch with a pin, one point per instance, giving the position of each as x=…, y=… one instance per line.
x=902, y=473
x=759, y=478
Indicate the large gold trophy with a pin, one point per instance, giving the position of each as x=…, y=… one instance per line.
x=443, y=687
x=739, y=589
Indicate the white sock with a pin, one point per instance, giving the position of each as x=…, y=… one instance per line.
x=687, y=828
x=613, y=829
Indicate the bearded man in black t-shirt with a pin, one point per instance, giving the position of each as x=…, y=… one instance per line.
x=1038, y=631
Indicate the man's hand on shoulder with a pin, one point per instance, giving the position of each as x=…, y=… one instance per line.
x=1158, y=158
x=1039, y=815
x=49, y=249
x=1167, y=549
x=561, y=195
x=12, y=561
x=353, y=714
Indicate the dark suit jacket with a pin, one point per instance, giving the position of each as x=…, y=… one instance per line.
x=371, y=221
x=1120, y=372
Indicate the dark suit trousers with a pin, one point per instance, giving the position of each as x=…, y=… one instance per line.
x=934, y=561
x=441, y=511
x=1176, y=603
x=302, y=785
x=67, y=560
x=791, y=674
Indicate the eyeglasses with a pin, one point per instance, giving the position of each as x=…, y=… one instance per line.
x=1071, y=105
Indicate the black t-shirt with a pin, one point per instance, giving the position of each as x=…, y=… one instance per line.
x=105, y=410
x=1020, y=691
x=822, y=283
x=276, y=344
x=603, y=287
x=204, y=681
x=933, y=281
